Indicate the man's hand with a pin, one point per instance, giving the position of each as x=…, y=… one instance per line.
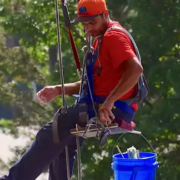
x=47, y=94
x=105, y=112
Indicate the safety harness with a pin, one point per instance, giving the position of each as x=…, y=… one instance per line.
x=90, y=60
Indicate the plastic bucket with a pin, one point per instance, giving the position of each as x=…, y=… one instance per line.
x=143, y=168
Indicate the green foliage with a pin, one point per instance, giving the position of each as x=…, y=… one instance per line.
x=155, y=28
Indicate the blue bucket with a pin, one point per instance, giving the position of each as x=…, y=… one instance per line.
x=143, y=168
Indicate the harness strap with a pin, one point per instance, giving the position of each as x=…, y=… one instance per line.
x=142, y=84
x=131, y=38
x=119, y=104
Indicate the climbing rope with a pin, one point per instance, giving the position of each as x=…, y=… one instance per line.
x=60, y=56
x=63, y=109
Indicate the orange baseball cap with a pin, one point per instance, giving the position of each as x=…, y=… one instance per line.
x=89, y=9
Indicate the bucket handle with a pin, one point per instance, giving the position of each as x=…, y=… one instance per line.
x=138, y=134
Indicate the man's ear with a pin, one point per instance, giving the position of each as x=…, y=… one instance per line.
x=106, y=13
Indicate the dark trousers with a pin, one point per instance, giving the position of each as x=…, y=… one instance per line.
x=44, y=152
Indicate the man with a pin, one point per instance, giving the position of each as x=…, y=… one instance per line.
x=118, y=70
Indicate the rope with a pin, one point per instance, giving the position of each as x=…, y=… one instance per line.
x=79, y=158
x=60, y=56
x=62, y=83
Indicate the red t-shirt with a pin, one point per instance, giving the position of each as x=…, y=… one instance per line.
x=116, y=47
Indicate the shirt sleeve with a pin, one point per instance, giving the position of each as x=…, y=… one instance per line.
x=119, y=47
